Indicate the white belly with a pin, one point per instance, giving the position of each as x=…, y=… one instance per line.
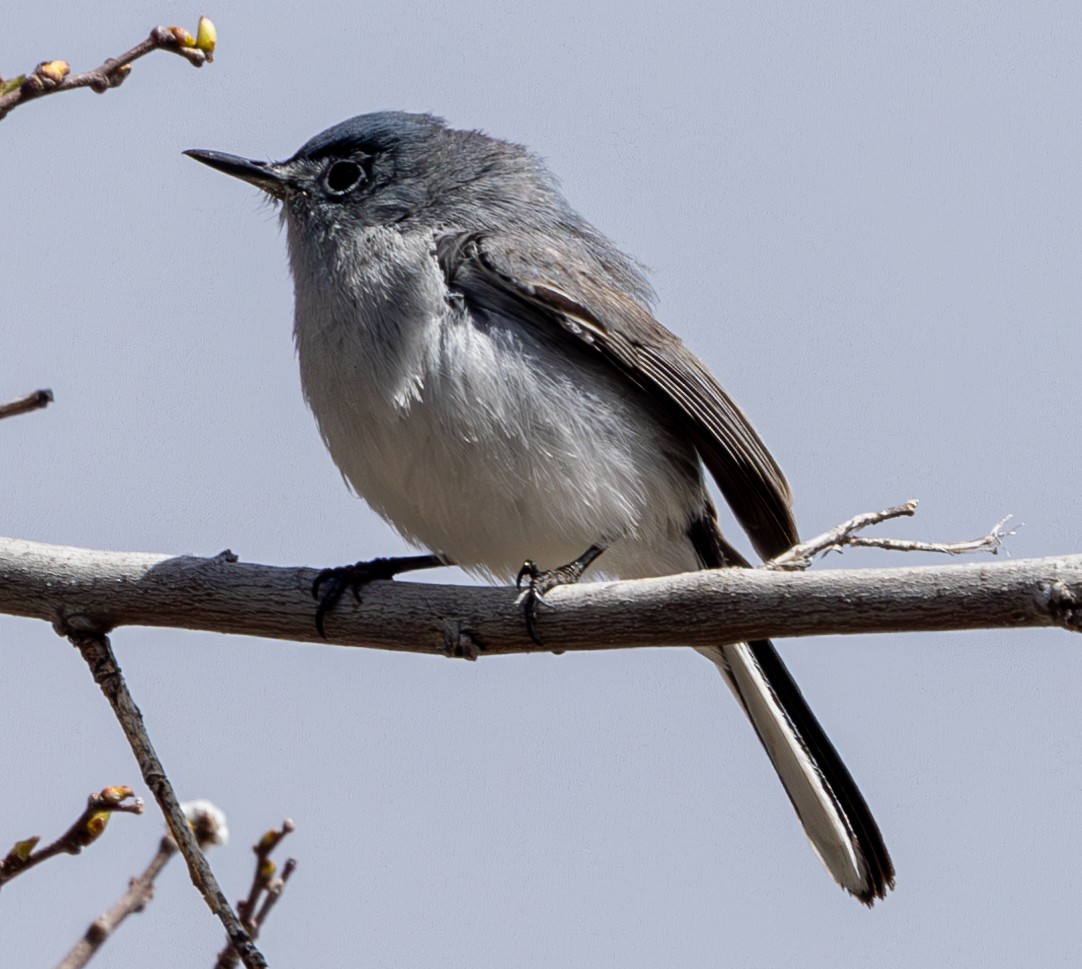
x=482, y=444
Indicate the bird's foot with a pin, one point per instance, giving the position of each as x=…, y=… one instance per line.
x=331, y=584
x=538, y=582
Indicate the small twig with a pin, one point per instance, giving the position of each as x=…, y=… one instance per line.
x=250, y=910
x=52, y=77
x=98, y=653
x=274, y=892
x=85, y=831
x=207, y=822
x=801, y=556
x=23, y=405
x=139, y=892
x=992, y=542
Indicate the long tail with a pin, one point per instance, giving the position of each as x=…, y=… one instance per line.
x=836, y=818
x=828, y=802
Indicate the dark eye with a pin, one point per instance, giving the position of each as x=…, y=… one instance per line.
x=344, y=175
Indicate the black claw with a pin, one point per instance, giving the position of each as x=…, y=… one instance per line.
x=319, y=580
x=529, y=612
x=337, y=580
x=326, y=604
x=535, y=594
x=540, y=583
x=529, y=568
x=356, y=577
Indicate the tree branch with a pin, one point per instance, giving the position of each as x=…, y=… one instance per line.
x=104, y=590
x=802, y=556
x=267, y=885
x=53, y=77
x=139, y=892
x=23, y=405
x=89, y=826
x=98, y=653
x=208, y=824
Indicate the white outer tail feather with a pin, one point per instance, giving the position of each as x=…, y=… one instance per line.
x=829, y=831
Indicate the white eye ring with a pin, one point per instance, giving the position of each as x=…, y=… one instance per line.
x=344, y=175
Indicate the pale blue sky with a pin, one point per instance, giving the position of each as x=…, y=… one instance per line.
x=867, y=221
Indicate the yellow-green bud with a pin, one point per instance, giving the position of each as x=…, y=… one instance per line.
x=96, y=824
x=55, y=71
x=116, y=795
x=23, y=849
x=182, y=37
x=206, y=36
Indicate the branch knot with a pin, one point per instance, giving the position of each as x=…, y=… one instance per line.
x=1064, y=606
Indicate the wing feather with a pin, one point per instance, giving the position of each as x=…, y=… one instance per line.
x=538, y=286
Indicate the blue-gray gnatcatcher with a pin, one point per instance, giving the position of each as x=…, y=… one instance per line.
x=487, y=374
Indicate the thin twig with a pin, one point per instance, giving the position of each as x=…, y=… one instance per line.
x=98, y=653
x=23, y=405
x=207, y=822
x=85, y=831
x=52, y=77
x=991, y=543
x=801, y=557
x=274, y=892
x=139, y=892
x=249, y=909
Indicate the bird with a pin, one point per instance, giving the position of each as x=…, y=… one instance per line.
x=486, y=370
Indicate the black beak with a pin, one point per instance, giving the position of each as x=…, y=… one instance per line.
x=264, y=175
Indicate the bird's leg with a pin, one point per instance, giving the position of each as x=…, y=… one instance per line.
x=541, y=582
x=356, y=577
